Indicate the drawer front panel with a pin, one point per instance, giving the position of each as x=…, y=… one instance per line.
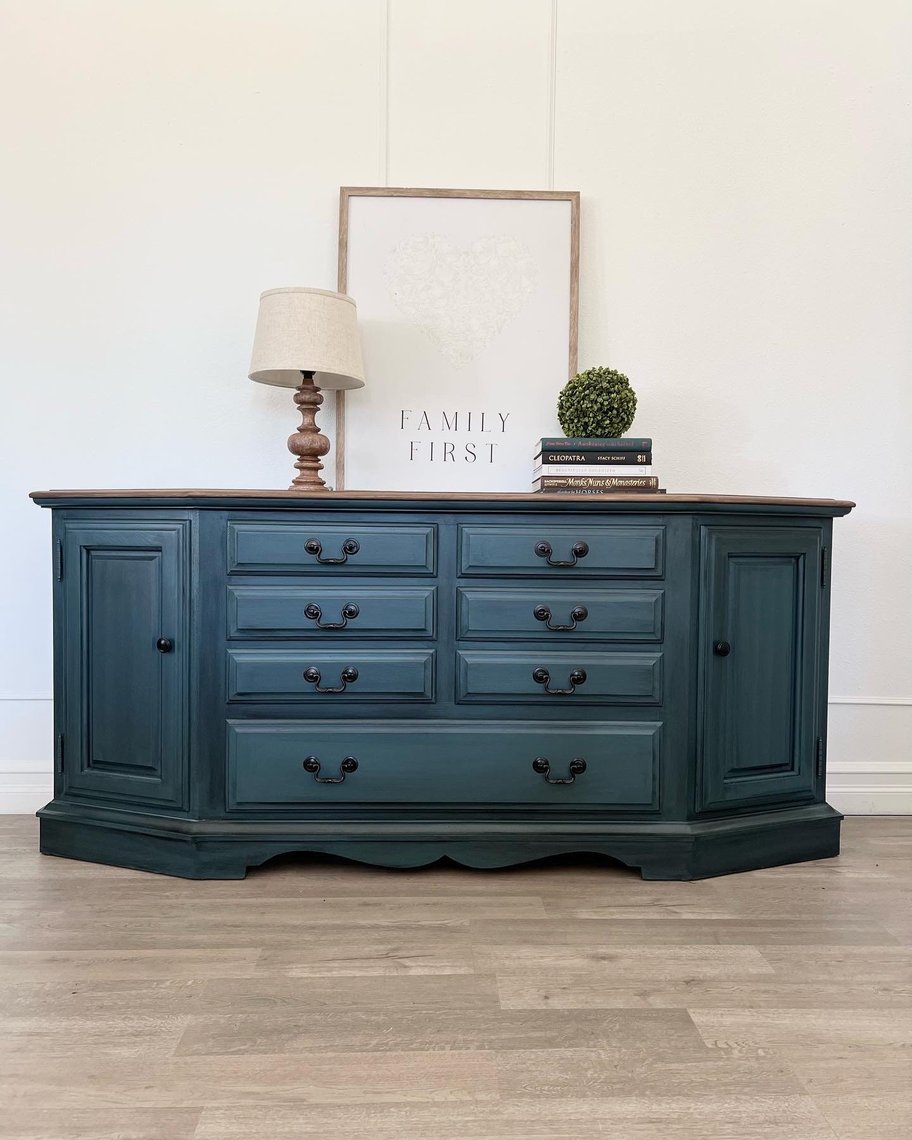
x=402, y=762
x=542, y=677
x=330, y=548
x=569, y=612
x=551, y=549
x=330, y=612
x=340, y=676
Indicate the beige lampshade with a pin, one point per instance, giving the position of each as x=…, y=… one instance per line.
x=307, y=330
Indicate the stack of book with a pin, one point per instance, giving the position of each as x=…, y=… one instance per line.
x=593, y=466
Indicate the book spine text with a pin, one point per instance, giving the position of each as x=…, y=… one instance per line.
x=625, y=472
x=568, y=443
x=603, y=458
x=598, y=482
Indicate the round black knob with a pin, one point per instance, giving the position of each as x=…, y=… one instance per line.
x=312, y=611
x=541, y=765
x=349, y=674
x=541, y=676
x=351, y=546
x=541, y=613
x=312, y=676
x=580, y=549
x=577, y=767
x=580, y=613
x=312, y=546
x=543, y=549
x=311, y=764
x=349, y=764
x=350, y=610
x=164, y=645
x=578, y=677
x=721, y=648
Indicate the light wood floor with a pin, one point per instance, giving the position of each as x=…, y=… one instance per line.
x=325, y=1000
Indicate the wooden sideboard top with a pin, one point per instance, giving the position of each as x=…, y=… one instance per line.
x=215, y=498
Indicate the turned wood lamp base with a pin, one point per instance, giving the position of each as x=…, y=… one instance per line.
x=306, y=333
x=308, y=443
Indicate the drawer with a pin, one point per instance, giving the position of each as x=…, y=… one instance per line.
x=556, y=549
x=567, y=678
x=444, y=762
x=331, y=611
x=344, y=675
x=330, y=548
x=560, y=612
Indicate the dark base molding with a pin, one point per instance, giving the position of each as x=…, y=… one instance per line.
x=224, y=849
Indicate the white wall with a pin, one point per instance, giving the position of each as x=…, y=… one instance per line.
x=746, y=258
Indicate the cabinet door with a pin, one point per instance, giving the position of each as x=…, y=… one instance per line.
x=759, y=637
x=126, y=653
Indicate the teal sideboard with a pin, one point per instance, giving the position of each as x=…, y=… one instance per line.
x=397, y=678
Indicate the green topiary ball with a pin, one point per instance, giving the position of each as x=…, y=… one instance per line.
x=596, y=403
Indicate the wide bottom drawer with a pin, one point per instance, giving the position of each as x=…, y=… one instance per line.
x=558, y=764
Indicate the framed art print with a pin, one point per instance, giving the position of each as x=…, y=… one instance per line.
x=467, y=307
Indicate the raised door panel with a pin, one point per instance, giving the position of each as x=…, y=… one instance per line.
x=126, y=660
x=760, y=613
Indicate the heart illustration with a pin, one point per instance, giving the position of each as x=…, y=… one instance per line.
x=461, y=297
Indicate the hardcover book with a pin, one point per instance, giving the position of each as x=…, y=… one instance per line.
x=598, y=490
x=597, y=482
x=620, y=443
x=627, y=471
x=603, y=458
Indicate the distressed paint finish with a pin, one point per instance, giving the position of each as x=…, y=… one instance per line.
x=124, y=716
x=504, y=614
x=191, y=762
x=265, y=763
x=283, y=611
x=284, y=545
x=759, y=719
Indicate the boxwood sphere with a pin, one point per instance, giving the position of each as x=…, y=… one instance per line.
x=596, y=403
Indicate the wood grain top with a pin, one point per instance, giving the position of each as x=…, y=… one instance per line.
x=211, y=496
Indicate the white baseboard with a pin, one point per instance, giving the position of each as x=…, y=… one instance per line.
x=866, y=799
x=23, y=793
x=869, y=758
x=26, y=753
x=869, y=761
x=880, y=787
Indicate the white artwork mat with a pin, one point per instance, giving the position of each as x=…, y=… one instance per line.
x=464, y=308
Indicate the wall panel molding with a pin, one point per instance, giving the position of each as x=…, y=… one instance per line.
x=552, y=96
x=870, y=701
x=384, y=92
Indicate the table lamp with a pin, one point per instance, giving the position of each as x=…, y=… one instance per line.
x=307, y=339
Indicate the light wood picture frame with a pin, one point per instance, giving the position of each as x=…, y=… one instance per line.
x=468, y=306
